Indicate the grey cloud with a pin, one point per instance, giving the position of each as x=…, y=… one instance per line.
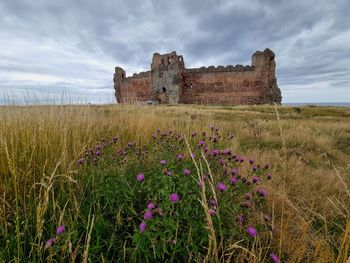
x=74, y=45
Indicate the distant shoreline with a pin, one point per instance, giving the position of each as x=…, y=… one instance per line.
x=322, y=104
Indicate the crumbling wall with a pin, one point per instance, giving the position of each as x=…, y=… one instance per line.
x=170, y=82
x=132, y=89
x=221, y=85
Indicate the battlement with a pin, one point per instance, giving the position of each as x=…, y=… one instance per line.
x=169, y=81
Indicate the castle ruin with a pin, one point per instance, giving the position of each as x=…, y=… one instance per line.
x=169, y=82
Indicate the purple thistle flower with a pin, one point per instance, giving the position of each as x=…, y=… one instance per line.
x=151, y=206
x=143, y=227
x=180, y=156
x=255, y=169
x=193, y=155
x=193, y=134
x=268, y=176
x=267, y=218
x=174, y=198
x=206, y=148
x=169, y=173
x=211, y=211
x=98, y=153
x=160, y=211
x=201, y=143
x=240, y=219
x=187, y=172
x=98, y=147
x=251, y=231
x=246, y=204
x=60, y=229
x=267, y=166
x=251, y=161
x=140, y=177
x=148, y=215
x=216, y=152
x=222, y=161
x=81, y=161
x=49, y=243
x=274, y=258
x=221, y=187
x=163, y=162
x=213, y=202
x=248, y=196
x=173, y=242
x=261, y=192
x=255, y=179
x=233, y=180
x=234, y=171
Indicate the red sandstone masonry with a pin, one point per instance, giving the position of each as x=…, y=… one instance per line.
x=169, y=78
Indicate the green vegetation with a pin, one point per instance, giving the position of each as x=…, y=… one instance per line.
x=82, y=167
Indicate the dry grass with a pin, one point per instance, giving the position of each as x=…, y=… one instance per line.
x=311, y=179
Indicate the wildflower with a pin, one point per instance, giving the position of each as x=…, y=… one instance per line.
x=248, y=196
x=255, y=179
x=60, y=230
x=255, y=169
x=151, y=206
x=213, y=202
x=163, y=162
x=201, y=143
x=267, y=218
x=148, y=215
x=274, y=258
x=115, y=139
x=159, y=211
x=267, y=166
x=206, y=148
x=251, y=161
x=98, y=147
x=268, y=176
x=211, y=211
x=233, y=180
x=193, y=134
x=174, y=198
x=98, y=153
x=221, y=187
x=140, y=177
x=246, y=204
x=222, y=161
x=234, y=171
x=180, y=156
x=173, y=242
x=240, y=219
x=80, y=161
x=193, y=155
x=261, y=192
x=49, y=243
x=187, y=172
x=143, y=227
x=216, y=152
x=251, y=231
x=169, y=173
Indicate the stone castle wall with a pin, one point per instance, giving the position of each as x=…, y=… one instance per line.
x=169, y=82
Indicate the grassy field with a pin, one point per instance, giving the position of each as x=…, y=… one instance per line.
x=284, y=173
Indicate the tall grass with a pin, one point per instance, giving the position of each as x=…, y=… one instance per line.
x=39, y=146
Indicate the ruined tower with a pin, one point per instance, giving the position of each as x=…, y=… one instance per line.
x=169, y=82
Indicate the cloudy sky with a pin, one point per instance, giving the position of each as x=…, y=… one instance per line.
x=67, y=49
